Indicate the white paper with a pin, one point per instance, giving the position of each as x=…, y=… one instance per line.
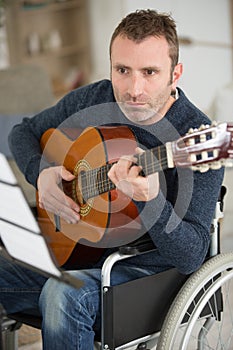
x=6, y=173
x=19, y=230
x=27, y=247
x=14, y=208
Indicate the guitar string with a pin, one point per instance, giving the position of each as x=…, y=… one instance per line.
x=92, y=189
x=96, y=181
x=105, y=184
x=153, y=167
x=97, y=186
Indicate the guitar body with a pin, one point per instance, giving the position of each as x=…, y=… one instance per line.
x=108, y=219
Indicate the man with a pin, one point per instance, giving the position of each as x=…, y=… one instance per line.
x=176, y=206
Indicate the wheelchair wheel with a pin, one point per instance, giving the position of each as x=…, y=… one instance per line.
x=201, y=316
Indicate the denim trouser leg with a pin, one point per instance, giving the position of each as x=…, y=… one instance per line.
x=70, y=315
x=20, y=288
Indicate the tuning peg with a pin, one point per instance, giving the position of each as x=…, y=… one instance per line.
x=190, y=131
x=228, y=162
x=215, y=165
x=202, y=168
x=202, y=127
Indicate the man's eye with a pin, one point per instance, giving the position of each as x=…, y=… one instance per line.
x=122, y=70
x=150, y=72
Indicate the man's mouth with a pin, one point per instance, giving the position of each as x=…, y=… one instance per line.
x=133, y=104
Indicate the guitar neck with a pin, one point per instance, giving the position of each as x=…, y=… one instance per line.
x=96, y=181
x=208, y=147
x=154, y=160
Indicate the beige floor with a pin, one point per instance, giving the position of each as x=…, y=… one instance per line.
x=32, y=336
x=29, y=338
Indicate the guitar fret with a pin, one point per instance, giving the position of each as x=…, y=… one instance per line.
x=163, y=158
x=107, y=183
x=104, y=179
x=158, y=159
x=101, y=183
x=95, y=182
x=153, y=160
x=96, y=187
x=98, y=184
x=163, y=151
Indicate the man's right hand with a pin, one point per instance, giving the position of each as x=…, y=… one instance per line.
x=51, y=196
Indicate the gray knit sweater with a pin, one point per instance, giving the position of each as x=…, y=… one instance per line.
x=179, y=219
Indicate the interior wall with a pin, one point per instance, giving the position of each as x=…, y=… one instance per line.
x=104, y=17
x=207, y=62
x=208, y=76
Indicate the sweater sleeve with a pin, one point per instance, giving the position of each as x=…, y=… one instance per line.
x=181, y=231
x=24, y=139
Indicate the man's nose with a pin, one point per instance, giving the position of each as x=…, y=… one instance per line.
x=136, y=85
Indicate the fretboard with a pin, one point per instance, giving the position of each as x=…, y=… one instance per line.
x=96, y=181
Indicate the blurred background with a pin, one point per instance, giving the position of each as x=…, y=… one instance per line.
x=70, y=40
x=49, y=47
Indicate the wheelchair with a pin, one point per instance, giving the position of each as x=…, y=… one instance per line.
x=165, y=311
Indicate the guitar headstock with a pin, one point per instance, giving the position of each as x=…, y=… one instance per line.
x=209, y=147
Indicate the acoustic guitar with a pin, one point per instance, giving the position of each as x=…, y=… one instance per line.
x=108, y=217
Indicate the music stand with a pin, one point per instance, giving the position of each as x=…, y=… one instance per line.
x=22, y=240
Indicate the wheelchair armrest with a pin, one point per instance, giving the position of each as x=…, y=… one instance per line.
x=141, y=245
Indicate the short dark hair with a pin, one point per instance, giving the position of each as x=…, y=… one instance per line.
x=140, y=24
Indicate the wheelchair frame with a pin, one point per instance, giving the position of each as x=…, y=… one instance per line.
x=161, y=331
x=202, y=292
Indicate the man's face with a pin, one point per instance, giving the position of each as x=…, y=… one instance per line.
x=142, y=79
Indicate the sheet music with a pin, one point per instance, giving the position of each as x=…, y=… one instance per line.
x=20, y=232
x=24, y=243
x=27, y=247
x=14, y=208
x=6, y=173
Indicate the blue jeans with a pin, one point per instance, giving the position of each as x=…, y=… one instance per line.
x=71, y=317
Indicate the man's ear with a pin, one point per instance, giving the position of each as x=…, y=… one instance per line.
x=178, y=70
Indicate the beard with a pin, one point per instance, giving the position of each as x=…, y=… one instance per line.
x=137, y=114
x=143, y=110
